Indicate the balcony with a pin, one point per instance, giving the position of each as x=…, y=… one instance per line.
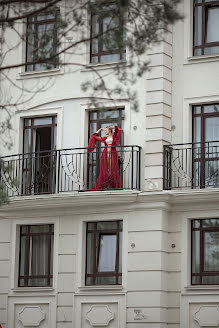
x=191, y=165
x=70, y=170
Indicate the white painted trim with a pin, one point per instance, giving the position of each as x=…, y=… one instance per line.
x=187, y=112
x=29, y=300
x=81, y=254
x=188, y=29
x=38, y=112
x=86, y=107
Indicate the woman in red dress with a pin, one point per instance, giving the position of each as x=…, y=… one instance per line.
x=109, y=177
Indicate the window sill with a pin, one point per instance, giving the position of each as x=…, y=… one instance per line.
x=32, y=289
x=202, y=59
x=30, y=75
x=101, y=288
x=102, y=66
x=202, y=288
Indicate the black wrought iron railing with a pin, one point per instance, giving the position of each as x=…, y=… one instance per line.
x=70, y=170
x=191, y=165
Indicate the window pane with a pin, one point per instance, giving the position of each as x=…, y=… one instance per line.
x=120, y=252
x=93, y=115
x=211, y=251
x=195, y=280
x=211, y=174
x=42, y=121
x=95, y=25
x=197, y=52
x=39, y=228
x=91, y=225
x=196, y=252
x=108, y=114
x=37, y=282
x=107, y=255
x=106, y=280
x=31, y=35
x=23, y=257
x=198, y=26
x=45, y=16
x=94, y=59
x=197, y=109
x=197, y=129
x=211, y=50
x=27, y=142
x=27, y=122
x=210, y=223
x=211, y=108
x=212, y=25
x=196, y=223
x=106, y=225
x=210, y=280
x=51, y=255
x=90, y=253
x=212, y=129
x=39, y=263
x=109, y=58
x=93, y=127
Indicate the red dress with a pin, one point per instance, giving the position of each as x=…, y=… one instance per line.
x=109, y=177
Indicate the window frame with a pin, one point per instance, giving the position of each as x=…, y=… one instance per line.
x=36, y=23
x=99, y=233
x=203, y=159
x=102, y=52
x=204, y=14
x=26, y=277
x=202, y=273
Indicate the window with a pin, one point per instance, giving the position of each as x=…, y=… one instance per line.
x=206, y=27
x=101, y=119
x=205, y=252
x=104, y=253
x=36, y=256
x=39, y=160
x=206, y=146
x=42, y=41
x=107, y=35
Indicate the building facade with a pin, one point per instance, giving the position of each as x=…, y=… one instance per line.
x=142, y=255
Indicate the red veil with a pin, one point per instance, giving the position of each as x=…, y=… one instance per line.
x=109, y=177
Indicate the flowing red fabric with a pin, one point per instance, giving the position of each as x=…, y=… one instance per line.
x=109, y=177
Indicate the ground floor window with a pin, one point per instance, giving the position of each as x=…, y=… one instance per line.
x=205, y=252
x=104, y=253
x=36, y=255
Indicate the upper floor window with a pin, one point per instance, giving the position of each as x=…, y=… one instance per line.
x=36, y=255
x=42, y=41
x=206, y=145
x=206, y=27
x=104, y=253
x=205, y=252
x=107, y=35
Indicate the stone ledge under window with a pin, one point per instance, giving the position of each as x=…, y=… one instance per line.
x=201, y=288
x=32, y=289
x=101, y=288
x=102, y=66
x=202, y=59
x=34, y=74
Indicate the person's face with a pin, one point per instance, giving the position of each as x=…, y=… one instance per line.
x=107, y=131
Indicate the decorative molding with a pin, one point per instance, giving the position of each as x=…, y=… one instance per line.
x=99, y=315
x=31, y=316
x=207, y=316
